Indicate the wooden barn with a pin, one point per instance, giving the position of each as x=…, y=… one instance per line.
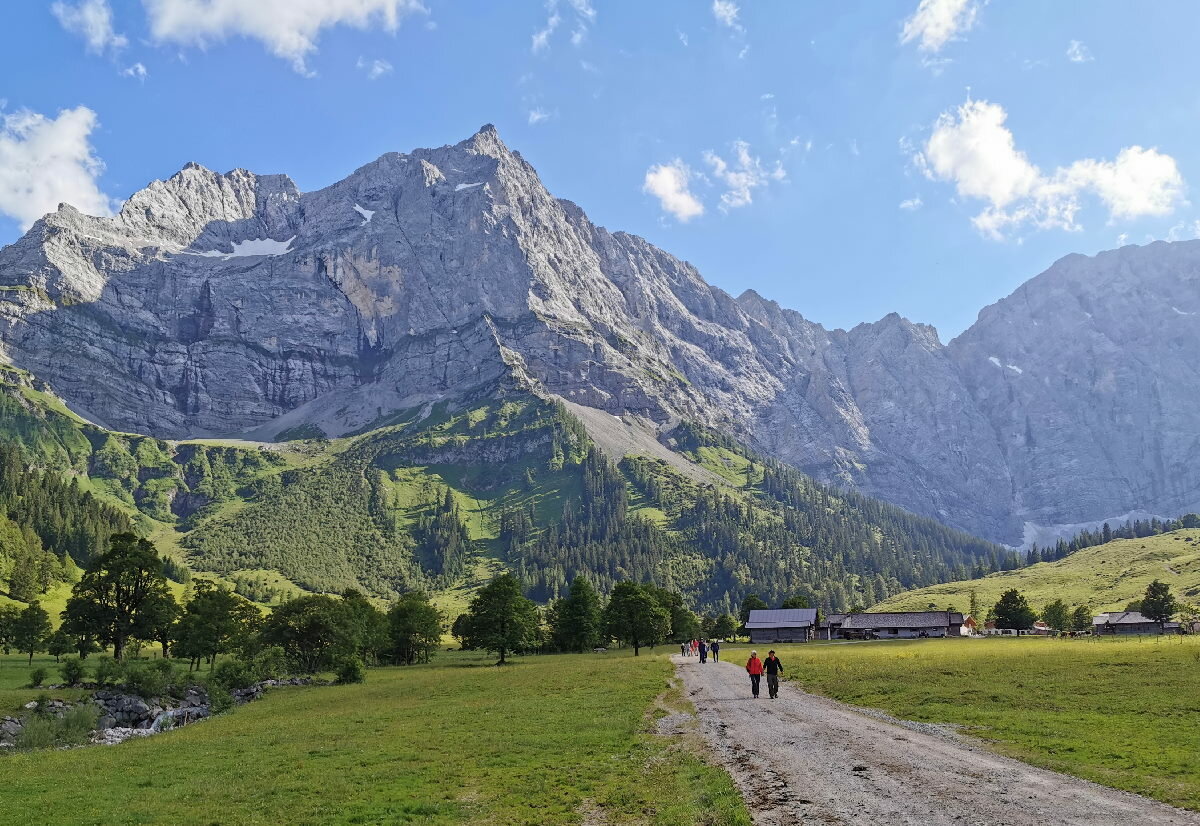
x=1124, y=622
x=902, y=625
x=782, y=625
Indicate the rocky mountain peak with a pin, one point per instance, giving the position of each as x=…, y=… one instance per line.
x=227, y=304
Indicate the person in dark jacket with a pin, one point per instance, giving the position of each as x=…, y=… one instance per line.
x=703, y=651
x=773, y=668
x=714, y=648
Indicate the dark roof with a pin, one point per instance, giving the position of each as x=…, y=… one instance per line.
x=782, y=618
x=833, y=618
x=1121, y=618
x=904, y=619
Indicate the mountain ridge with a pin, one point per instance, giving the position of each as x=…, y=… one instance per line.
x=235, y=304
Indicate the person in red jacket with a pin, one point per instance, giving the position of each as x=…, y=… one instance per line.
x=754, y=668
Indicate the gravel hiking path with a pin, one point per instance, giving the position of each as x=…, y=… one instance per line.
x=804, y=759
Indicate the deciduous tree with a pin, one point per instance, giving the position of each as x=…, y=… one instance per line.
x=415, y=626
x=500, y=618
x=1057, y=616
x=1158, y=604
x=635, y=616
x=121, y=595
x=31, y=629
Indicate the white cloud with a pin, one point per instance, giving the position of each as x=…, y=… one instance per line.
x=1122, y=238
x=45, y=162
x=912, y=204
x=537, y=115
x=683, y=38
x=972, y=148
x=741, y=177
x=1079, y=53
x=726, y=12
x=766, y=96
x=541, y=38
x=585, y=15
x=137, y=70
x=669, y=183
x=375, y=69
x=937, y=22
x=288, y=28
x=92, y=20
x=1183, y=231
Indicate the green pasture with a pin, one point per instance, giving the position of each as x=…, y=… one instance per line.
x=549, y=740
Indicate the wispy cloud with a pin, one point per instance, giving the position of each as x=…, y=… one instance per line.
x=726, y=12
x=93, y=21
x=1078, y=53
x=912, y=204
x=137, y=70
x=375, y=69
x=936, y=22
x=584, y=17
x=537, y=115
x=741, y=176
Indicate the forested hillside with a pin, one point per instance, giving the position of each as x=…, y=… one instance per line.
x=436, y=496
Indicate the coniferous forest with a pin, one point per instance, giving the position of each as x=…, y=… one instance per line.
x=429, y=501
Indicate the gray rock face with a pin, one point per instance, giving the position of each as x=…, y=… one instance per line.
x=234, y=304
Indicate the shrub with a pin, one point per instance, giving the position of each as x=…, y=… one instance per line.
x=37, y=677
x=41, y=731
x=76, y=726
x=72, y=671
x=38, y=733
x=109, y=671
x=271, y=663
x=219, y=699
x=232, y=674
x=351, y=670
x=145, y=680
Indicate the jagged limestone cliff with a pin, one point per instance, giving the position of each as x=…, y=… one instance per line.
x=235, y=304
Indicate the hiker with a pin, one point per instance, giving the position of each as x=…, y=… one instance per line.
x=714, y=648
x=703, y=651
x=695, y=645
x=754, y=668
x=683, y=648
x=774, y=668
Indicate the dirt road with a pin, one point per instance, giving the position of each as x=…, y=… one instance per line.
x=802, y=759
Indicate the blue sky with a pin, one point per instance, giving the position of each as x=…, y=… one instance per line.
x=846, y=159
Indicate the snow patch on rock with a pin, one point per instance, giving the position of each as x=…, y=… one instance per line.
x=461, y=187
x=366, y=214
x=251, y=247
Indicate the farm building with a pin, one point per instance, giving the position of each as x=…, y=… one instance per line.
x=782, y=625
x=902, y=625
x=1124, y=622
x=831, y=627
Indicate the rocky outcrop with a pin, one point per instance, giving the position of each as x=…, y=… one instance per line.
x=234, y=304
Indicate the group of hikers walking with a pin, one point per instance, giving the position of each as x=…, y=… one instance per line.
x=771, y=667
x=701, y=648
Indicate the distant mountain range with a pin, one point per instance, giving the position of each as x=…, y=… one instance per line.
x=236, y=306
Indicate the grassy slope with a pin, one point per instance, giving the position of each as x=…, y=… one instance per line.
x=454, y=742
x=1124, y=713
x=1103, y=577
